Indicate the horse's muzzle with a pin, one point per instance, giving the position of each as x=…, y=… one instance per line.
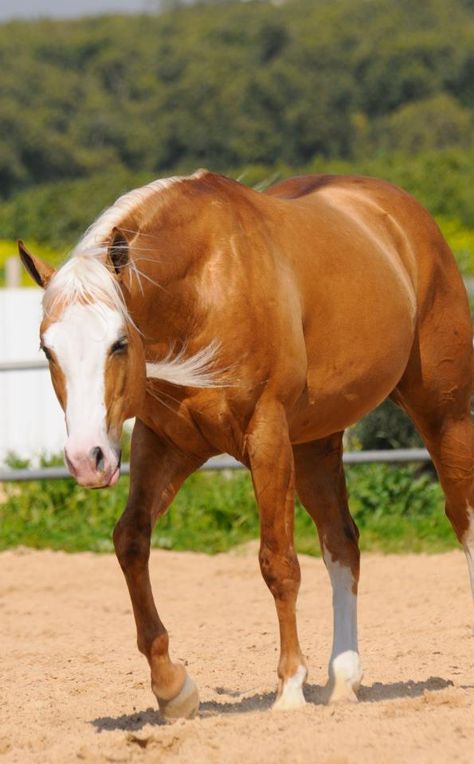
x=95, y=468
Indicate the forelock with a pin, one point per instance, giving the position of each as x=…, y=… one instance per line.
x=84, y=280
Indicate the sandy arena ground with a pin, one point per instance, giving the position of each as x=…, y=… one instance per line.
x=73, y=687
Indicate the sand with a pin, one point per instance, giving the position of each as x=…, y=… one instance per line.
x=73, y=687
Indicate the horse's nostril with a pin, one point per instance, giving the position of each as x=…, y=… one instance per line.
x=97, y=456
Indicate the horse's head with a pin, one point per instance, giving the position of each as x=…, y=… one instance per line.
x=95, y=356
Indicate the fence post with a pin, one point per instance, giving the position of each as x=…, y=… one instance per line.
x=12, y=272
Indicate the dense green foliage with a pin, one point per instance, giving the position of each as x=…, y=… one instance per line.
x=385, y=428
x=89, y=108
x=397, y=509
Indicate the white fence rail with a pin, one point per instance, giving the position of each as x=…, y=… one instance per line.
x=23, y=365
x=226, y=462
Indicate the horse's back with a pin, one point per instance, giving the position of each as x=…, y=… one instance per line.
x=385, y=213
x=357, y=212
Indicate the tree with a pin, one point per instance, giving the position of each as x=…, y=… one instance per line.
x=437, y=122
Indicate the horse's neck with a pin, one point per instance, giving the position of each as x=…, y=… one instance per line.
x=192, y=242
x=161, y=297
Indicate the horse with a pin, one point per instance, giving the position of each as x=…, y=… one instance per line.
x=260, y=324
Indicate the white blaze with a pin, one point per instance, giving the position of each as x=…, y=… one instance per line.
x=81, y=341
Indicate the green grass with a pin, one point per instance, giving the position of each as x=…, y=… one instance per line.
x=397, y=510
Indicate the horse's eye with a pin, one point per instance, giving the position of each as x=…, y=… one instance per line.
x=47, y=353
x=120, y=346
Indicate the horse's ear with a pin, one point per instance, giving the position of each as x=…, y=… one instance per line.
x=118, y=252
x=40, y=271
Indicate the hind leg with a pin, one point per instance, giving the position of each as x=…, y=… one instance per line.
x=321, y=487
x=436, y=393
x=450, y=441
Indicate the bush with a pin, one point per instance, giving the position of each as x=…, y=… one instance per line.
x=386, y=427
x=396, y=510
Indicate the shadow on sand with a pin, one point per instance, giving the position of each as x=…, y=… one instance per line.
x=314, y=694
x=129, y=722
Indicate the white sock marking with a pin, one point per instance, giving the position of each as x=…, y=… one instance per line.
x=292, y=692
x=345, y=672
x=468, y=543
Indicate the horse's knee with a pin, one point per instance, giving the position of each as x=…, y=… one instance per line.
x=280, y=570
x=132, y=545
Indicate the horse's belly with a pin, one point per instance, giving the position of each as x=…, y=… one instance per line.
x=355, y=360
x=329, y=408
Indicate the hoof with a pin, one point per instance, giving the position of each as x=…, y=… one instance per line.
x=288, y=702
x=342, y=692
x=184, y=705
x=291, y=695
x=345, y=676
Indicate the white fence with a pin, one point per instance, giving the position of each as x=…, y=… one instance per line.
x=31, y=421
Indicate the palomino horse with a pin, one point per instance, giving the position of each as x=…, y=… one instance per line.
x=262, y=325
